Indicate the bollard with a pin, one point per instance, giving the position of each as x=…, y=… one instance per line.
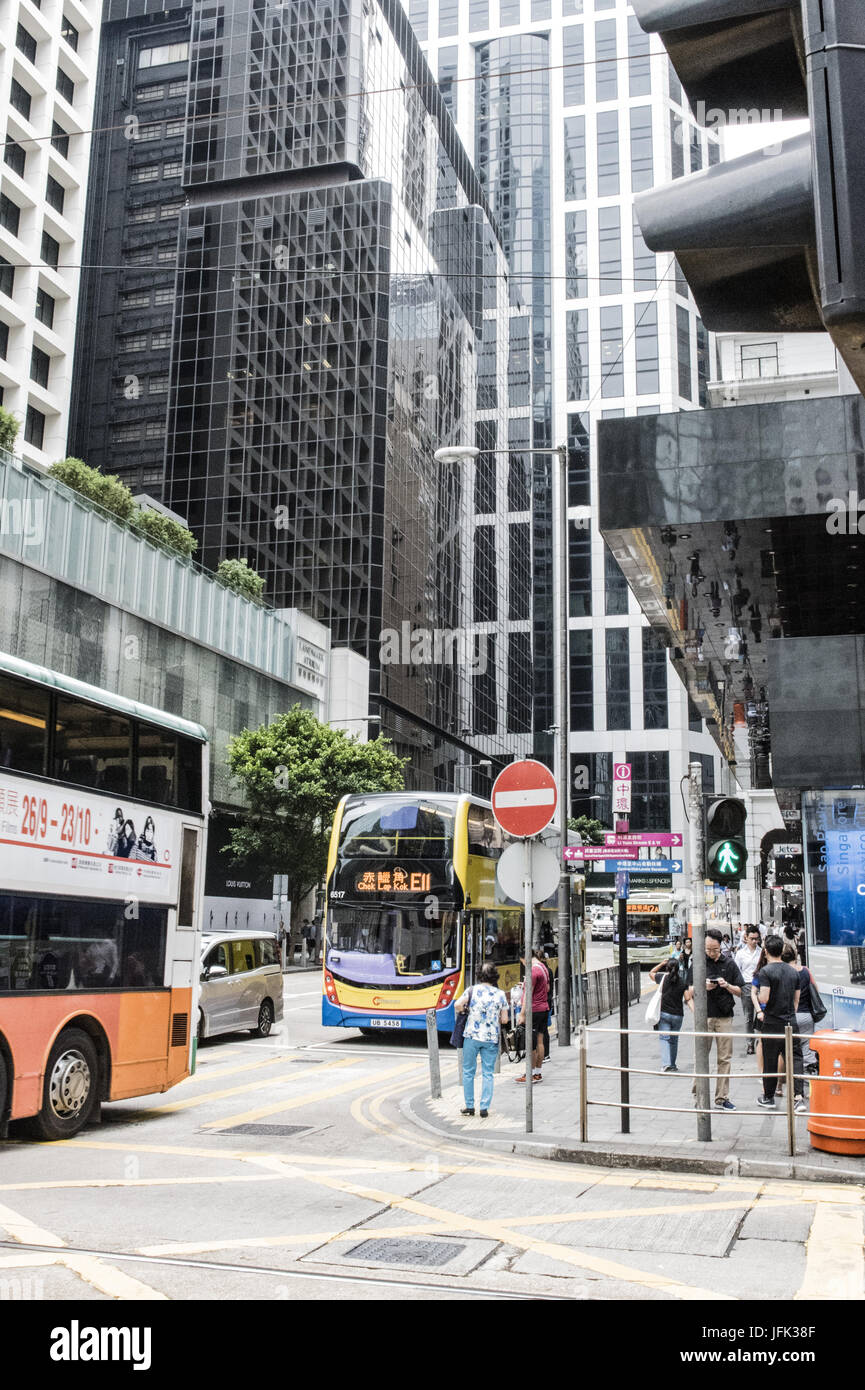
x=789, y=1093
x=304, y=957
x=432, y=1040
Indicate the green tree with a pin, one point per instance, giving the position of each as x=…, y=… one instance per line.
x=9, y=428
x=294, y=772
x=592, y=831
x=239, y=576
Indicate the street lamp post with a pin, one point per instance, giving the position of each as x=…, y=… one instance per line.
x=459, y=453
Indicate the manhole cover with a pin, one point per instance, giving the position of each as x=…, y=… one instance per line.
x=266, y=1129
x=406, y=1252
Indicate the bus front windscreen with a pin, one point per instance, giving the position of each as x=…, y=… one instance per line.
x=395, y=940
x=386, y=828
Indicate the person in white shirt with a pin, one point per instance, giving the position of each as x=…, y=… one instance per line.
x=747, y=958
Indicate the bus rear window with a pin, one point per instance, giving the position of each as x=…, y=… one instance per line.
x=24, y=712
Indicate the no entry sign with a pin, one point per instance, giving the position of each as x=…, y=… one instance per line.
x=525, y=798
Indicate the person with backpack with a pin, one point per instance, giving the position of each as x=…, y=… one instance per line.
x=487, y=1009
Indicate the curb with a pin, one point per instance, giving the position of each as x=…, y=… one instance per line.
x=662, y=1158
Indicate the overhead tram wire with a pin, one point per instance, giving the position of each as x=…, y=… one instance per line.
x=257, y=110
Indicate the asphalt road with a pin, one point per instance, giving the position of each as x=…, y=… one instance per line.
x=285, y=1169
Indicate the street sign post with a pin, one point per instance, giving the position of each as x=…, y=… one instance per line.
x=623, y=882
x=524, y=798
x=524, y=802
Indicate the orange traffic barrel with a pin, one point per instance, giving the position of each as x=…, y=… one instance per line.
x=841, y=1056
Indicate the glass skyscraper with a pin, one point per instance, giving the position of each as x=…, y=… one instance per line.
x=569, y=110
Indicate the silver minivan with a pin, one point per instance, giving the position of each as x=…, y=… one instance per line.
x=241, y=983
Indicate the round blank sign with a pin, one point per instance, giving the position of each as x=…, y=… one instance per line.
x=511, y=872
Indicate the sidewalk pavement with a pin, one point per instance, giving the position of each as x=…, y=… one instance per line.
x=746, y=1145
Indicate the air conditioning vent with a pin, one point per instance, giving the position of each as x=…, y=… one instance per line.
x=179, y=1030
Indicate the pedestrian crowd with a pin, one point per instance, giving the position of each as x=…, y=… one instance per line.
x=768, y=973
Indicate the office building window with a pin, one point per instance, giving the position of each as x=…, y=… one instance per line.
x=655, y=713
x=173, y=169
x=487, y=365
x=34, y=427
x=449, y=20
x=40, y=363
x=576, y=256
x=575, y=156
x=158, y=385
x=642, y=168
x=154, y=429
x=485, y=688
x=569, y=7
x=69, y=33
x=150, y=93
x=606, y=66
x=707, y=763
x=59, y=140
x=65, y=86
x=639, y=60
x=448, y=78
x=418, y=13
x=519, y=682
x=125, y=434
x=15, y=157
x=485, y=468
x=646, y=340
x=757, y=359
x=135, y=299
x=592, y=786
x=479, y=15
x=19, y=99
x=650, y=791
x=519, y=471
x=138, y=215
x=520, y=570
x=702, y=364
x=577, y=346
x=161, y=339
x=696, y=150
x=615, y=586
x=25, y=43
x=7, y=276
x=45, y=308
x=519, y=362
x=677, y=145
x=145, y=173
x=132, y=342
x=50, y=250
x=573, y=70
x=485, y=580
x=579, y=462
x=174, y=128
x=4, y=340
x=695, y=719
x=55, y=194
x=645, y=265
x=675, y=85
x=608, y=153
x=612, y=351
x=509, y=13
x=681, y=283
x=579, y=570
x=610, y=250
x=166, y=53
x=10, y=214
x=683, y=349
x=618, y=678
x=714, y=151
x=582, y=692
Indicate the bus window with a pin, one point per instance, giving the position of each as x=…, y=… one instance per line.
x=186, y=900
x=188, y=774
x=24, y=712
x=154, y=765
x=92, y=748
x=76, y=943
x=407, y=830
x=484, y=831
x=503, y=937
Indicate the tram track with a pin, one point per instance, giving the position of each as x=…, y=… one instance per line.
x=448, y=1288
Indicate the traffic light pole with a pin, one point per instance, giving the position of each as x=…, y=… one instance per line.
x=698, y=954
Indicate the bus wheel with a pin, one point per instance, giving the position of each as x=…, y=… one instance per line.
x=265, y=1020
x=70, y=1090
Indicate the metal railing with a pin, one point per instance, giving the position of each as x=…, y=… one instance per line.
x=601, y=990
x=789, y=1076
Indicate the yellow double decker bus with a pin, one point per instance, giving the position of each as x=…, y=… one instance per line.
x=413, y=909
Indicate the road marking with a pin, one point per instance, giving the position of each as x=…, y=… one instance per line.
x=108, y=1280
x=136, y=1182
x=281, y=1107
x=218, y=1072
x=175, y=1105
x=835, y=1267
x=265, y=1242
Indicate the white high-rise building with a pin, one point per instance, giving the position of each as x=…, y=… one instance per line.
x=568, y=109
x=48, y=59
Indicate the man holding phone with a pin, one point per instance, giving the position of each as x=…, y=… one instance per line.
x=723, y=983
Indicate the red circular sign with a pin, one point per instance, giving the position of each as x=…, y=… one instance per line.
x=525, y=798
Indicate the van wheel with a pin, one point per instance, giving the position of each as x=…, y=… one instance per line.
x=71, y=1088
x=265, y=1020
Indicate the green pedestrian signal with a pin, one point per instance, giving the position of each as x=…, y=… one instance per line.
x=727, y=853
